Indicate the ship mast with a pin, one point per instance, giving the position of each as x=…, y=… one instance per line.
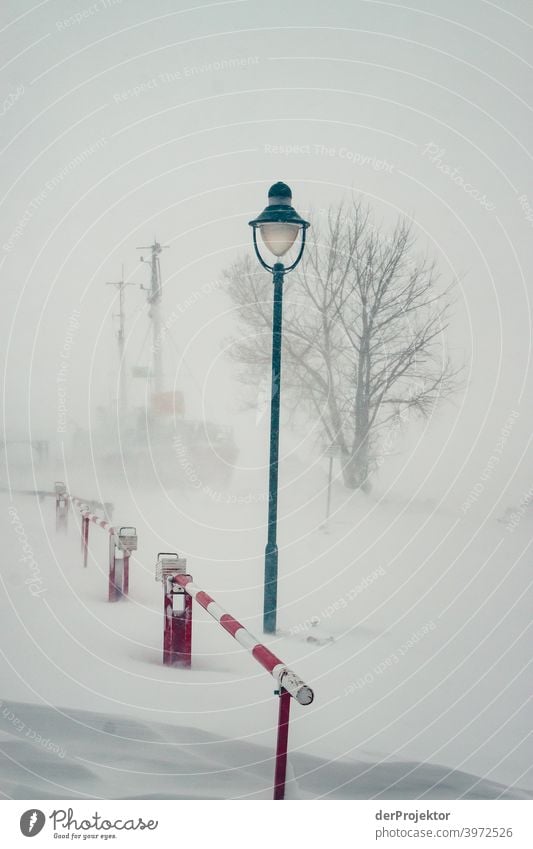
x=154, y=297
x=121, y=339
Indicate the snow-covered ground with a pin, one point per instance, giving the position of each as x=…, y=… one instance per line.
x=418, y=659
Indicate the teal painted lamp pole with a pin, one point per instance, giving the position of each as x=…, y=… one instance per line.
x=279, y=224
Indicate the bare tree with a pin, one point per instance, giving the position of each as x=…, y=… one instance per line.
x=363, y=333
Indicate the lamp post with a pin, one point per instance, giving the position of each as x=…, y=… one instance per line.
x=279, y=224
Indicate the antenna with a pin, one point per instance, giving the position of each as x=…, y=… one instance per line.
x=121, y=338
x=154, y=297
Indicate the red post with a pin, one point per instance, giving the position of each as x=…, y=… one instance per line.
x=126, y=573
x=85, y=539
x=114, y=592
x=281, y=744
x=290, y=685
x=167, y=628
x=177, y=634
x=61, y=514
x=61, y=506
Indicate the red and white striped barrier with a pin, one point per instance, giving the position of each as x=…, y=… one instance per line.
x=121, y=542
x=177, y=639
x=61, y=496
x=91, y=504
x=177, y=611
x=283, y=675
x=179, y=593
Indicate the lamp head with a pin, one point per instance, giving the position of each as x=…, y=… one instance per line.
x=279, y=223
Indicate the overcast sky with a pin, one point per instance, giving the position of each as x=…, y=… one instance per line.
x=121, y=121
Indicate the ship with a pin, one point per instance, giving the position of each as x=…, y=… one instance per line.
x=157, y=442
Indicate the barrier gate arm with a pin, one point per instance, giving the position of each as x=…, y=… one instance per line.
x=286, y=678
x=124, y=539
x=289, y=684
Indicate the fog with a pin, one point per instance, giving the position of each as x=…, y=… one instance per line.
x=123, y=123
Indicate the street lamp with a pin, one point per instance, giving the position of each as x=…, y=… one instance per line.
x=279, y=224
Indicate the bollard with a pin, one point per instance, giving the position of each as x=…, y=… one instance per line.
x=177, y=638
x=85, y=539
x=280, y=770
x=121, y=542
x=127, y=537
x=125, y=573
x=115, y=572
x=289, y=684
x=177, y=611
x=61, y=506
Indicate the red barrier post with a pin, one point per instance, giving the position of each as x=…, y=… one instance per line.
x=280, y=771
x=124, y=541
x=177, y=610
x=113, y=593
x=290, y=685
x=126, y=573
x=127, y=540
x=61, y=515
x=177, y=636
x=61, y=506
x=85, y=539
x=119, y=561
x=168, y=606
